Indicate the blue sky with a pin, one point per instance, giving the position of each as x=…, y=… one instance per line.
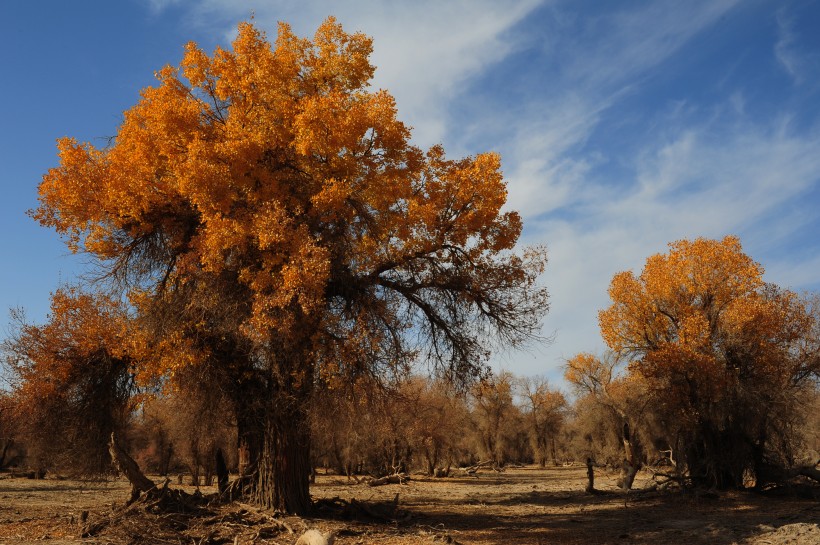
x=622, y=125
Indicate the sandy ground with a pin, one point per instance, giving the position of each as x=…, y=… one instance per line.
x=528, y=505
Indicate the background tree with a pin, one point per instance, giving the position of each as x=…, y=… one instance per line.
x=72, y=381
x=266, y=199
x=726, y=356
x=544, y=411
x=440, y=425
x=498, y=422
x=612, y=405
x=342, y=427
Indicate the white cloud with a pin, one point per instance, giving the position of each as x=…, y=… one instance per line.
x=424, y=50
x=157, y=6
x=616, y=53
x=784, y=48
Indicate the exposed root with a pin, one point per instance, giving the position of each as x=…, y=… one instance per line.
x=165, y=515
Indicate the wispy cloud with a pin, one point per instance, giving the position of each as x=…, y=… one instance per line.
x=801, y=65
x=724, y=177
x=784, y=48
x=424, y=51
x=613, y=49
x=157, y=6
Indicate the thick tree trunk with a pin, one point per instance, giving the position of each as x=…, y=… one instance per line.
x=139, y=482
x=717, y=458
x=221, y=471
x=283, y=473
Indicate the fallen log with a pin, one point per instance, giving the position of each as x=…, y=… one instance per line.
x=396, y=478
x=359, y=510
x=778, y=475
x=472, y=470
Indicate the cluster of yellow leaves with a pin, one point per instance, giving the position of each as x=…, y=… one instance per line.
x=600, y=378
x=702, y=315
x=680, y=297
x=83, y=331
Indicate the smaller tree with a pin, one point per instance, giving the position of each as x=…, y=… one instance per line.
x=194, y=423
x=9, y=442
x=497, y=421
x=72, y=380
x=725, y=355
x=439, y=424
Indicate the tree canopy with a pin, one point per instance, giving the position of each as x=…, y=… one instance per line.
x=265, y=213
x=725, y=355
x=72, y=379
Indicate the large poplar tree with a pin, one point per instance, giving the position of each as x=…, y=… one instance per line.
x=267, y=215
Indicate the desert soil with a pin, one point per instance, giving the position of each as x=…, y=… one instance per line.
x=526, y=506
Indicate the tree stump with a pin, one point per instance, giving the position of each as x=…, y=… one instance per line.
x=591, y=476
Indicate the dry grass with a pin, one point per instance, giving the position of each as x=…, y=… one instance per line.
x=526, y=506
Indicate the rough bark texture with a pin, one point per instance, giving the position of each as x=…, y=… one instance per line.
x=283, y=474
x=139, y=482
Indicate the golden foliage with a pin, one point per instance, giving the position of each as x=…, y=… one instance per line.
x=682, y=297
x=725, y=356
x=703, y=313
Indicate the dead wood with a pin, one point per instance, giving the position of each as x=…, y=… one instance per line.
x=473, y=470
x=807, y=471
x=777, y=475
x=396, y=478
x=156, y=501
x=590, y=477
x=139, y=482
x=361, y=511
x=165, y=515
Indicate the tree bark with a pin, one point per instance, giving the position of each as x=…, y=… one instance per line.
x=221, y=472
x=7, y=444
x=590, y=476
x=139, y=482
x=283, y=473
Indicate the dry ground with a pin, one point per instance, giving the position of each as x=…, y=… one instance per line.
x=526, y=506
